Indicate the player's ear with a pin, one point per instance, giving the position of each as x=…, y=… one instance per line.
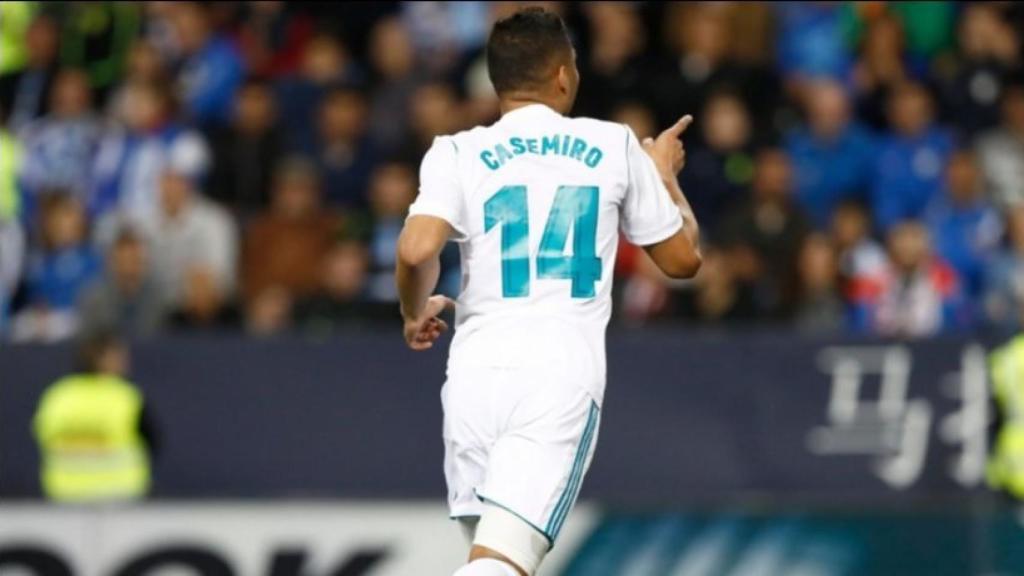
x=564, y=79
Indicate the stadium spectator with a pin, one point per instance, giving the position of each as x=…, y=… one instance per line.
x=1001, y=151
x=345, y=154
x=194, y=243
x=614, y=68
x=12, y=256
x=272, y=37
x=395, y=78
x=341, y=300
x=646, y=293
x=11, y=158
x=57, y=272
x=821, y=307
x=811, y=41
x=203, y=304
x=720, y=166
x=964, y=224
x=989, y=51
x=125, y=299
x=25, y=93
x=436, y=111
x=1004, y=296
x=920, y=294
x=246, y=151
x=832, y=155
x=61, y=147
x=326, y=64
x=97, y=37
x=880, y=69
x=285, y=246
x=211, y=69
x=718, y=295
x=637, y=116
x=862, y=261
x=13, y=29
x=131, y=159
x=908, y=169
x=392, y=190
x=764, y=234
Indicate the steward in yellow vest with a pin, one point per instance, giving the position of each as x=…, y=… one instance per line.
x=92, y=431
x=1006, y=465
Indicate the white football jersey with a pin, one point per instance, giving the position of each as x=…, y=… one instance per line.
x=537, y=201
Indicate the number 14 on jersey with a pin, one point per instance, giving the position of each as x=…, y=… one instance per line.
x=574, y=206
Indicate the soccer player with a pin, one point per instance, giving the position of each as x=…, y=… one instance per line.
x=535, y=202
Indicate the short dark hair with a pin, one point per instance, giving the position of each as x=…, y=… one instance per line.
x=522, y=48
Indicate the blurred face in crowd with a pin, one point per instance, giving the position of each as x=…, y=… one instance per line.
x=392, y=190
x=1015, y=227
x=828, y=108
x=191, y=26
x=175, y=193
x=343, y=116
x=345, y=270
x=618, y=34
x=910, y=109
x=705, y=30
x=296, y=192
x=850, y=225
x=254, y=109
x=773, y=176
x=324, y=59
x=270, y=311
x=909, y=246
x=983, y=33
x=434, y=110
x=638, y=117
x=42, y=40
x=202, y=298
x=1013, y=109
x=113, y=360
x=726, y=123
x=884, y=40
x=128, y=262
x=72, y=95
x=391, y=50
x=144, y=108
x=63, y=223
x=144, y=63
x=817, y=265
x=963, y=180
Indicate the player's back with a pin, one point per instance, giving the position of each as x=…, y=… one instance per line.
x=536, y=201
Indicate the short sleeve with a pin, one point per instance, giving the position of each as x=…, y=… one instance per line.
x=440, y=191
x=648, y=214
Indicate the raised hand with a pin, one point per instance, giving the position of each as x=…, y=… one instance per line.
x=667, y=149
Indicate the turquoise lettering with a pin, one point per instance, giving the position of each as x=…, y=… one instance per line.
x=549, y=144
x=488, y=160
x=593, y=157
x=517, y=145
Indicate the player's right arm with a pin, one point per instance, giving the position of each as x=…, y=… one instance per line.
x=434, y=217
x=657, y=215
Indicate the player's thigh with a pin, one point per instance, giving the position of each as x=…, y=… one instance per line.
x=468, y=434
x=536, y=468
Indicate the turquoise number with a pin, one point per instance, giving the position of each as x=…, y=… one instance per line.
x=508, y=207
x=574, y=207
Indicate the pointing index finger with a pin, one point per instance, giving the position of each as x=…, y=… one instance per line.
x=679, y=127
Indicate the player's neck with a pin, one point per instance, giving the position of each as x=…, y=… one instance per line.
x=517, y=101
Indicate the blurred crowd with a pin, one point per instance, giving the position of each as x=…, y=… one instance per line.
x=855, y=166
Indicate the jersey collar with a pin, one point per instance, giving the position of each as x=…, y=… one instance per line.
x=530, y=110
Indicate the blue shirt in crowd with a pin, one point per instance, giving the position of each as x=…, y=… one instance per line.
x=211, y=77
x=827, y=173
x=908, y=175
x=966, y=236
x=811, y=41
x=56, y=278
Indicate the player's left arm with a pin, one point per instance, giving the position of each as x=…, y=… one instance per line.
x=416, y=272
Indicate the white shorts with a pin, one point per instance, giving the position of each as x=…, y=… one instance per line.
x=521, y=438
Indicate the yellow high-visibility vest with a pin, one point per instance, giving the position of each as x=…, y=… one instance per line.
x=10, y=160
x=87, y=427
x=14, y=20
x=1006, y=465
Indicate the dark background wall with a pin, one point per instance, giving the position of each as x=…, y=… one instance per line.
x=688, y=418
